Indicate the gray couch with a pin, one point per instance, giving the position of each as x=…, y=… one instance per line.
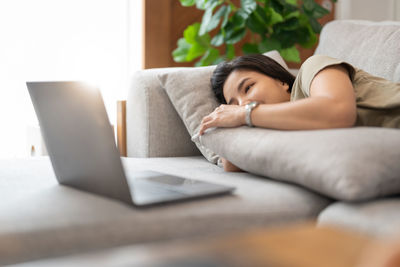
x=41, y=219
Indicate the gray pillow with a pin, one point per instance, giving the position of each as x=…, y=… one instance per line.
x=190, y=93
x=347, y=164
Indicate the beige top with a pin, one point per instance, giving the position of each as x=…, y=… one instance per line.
x=377, y=99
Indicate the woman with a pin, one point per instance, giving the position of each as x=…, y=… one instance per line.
x=255, y=90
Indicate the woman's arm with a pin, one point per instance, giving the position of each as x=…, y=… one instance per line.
x=331, y=105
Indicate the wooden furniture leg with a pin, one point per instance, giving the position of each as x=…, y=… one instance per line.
x=121, y=127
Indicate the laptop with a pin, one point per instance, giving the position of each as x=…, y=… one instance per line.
x=82, y=149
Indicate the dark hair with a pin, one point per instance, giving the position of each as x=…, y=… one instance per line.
x=256, y=62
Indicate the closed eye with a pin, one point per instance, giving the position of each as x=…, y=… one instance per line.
x=247, y=88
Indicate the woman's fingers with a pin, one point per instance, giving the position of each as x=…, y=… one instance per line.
x=205, y=126
x=206, y=119
x=223, y=116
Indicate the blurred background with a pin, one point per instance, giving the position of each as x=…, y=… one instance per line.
x=97, y=41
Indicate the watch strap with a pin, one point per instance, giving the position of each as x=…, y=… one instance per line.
x=249, y=108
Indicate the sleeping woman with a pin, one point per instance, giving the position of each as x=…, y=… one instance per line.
x=257, y=91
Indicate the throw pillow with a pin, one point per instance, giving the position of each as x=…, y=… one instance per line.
x=191, y=95
x=348, y=164
x=190, y=92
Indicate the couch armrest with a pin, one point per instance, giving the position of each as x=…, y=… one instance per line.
x=153, y=127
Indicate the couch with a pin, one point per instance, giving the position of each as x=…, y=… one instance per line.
x=41, y=219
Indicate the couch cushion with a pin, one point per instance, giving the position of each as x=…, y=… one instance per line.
x=191, y=95
x=378, y=217
x=348, y=164
x=154, y=128
x=371, y=46
x=40, y=218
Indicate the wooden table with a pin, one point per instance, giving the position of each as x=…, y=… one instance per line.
x=287, y=246
x=297, y=246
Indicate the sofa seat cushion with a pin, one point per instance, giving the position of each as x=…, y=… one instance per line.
x=40, y=218
x=379, y=218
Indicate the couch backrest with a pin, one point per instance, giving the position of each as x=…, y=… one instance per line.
x=153, y=127
x=371, y=46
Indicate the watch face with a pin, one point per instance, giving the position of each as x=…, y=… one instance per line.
x=250, y=104
x=253, y=104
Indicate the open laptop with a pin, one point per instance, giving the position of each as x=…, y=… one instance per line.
x=80, y=142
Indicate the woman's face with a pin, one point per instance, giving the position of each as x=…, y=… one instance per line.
x=244, y=86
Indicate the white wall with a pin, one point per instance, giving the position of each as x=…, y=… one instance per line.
x=375, y=10
x=94, y=40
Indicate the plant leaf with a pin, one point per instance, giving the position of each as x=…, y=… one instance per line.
x=204, y=40
x=276, y=5
x=236, y=24
x=195, y=45
x=280, y=24
x=235, y=36
x=212, y=3
x=204, y=23
x=309, y=5
x=195, y=51
x=257, y=21
x=216, y=18
x=290, y=24
x=295, y=14
x=269, y=44
x=306, y=36
x=319, y=12
x=207, y=17
x=218, y=39
x=180, y=53
x=208, y=58
x=248, y=6
x=315, y=25
x=201, y=4
x=275, y=16
x=188, y=2
x=230, y=51
x=226, y=16
x=249, y=48
x=190, y=33
x=239, y=18
x=286, y=38
x=218, y=60
x=290, y=54
x=292, y=2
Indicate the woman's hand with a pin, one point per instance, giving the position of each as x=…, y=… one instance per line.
x=224, y=116
x=229, y=167
x=381, y=254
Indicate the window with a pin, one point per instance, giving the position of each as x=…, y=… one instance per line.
x=98, y=41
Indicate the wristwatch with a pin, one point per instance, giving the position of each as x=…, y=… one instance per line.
x=249, y=108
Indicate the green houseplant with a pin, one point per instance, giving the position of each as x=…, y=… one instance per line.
x=272, y=25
